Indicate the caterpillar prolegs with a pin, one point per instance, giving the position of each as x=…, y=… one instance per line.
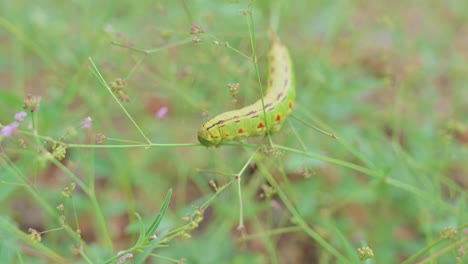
x=250, y=120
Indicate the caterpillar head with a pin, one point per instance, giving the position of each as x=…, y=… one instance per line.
x=210, y=137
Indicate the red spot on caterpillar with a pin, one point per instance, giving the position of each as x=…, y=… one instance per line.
x=268, y=105
x=290, y=105
x=261, y=125
x=240, y=131
x=236, y=117
x=252, y=113
x=221, y=122
x=278, y=118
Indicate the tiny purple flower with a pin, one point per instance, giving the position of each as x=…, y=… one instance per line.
x=196, y=29
x=19, y=117
x=162, y=112
x=124, y=258
x=7, y=131
x=88, y=122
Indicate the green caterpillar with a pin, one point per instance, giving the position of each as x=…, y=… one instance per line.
x=250, y=120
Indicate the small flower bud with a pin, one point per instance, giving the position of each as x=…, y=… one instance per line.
x=196, y=29
x=123, y=259
x=196, y=39
x=35, y=235
x=19, y=117
x=365, y=253
x=32, y=103
x=87, y=123
x=215, y=42
x=9, y=130
x=59, y=152
x=100, y=138
x=233, y=89
x=162, y=112
x=449, y=233
x=60, y=207
x=213, y=185
x=118, y=88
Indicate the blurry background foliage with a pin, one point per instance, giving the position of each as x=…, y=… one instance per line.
x=389, y=77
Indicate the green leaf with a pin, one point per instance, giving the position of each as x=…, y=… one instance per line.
x=157, y=220
x=142, y=235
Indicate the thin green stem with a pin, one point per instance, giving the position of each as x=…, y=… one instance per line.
x=48, y=252
x=52, y=230
x=134, y=146
x=273, y=232
x=428, y=247
x=171, y=45
x=251, y=26
x=443, y=251
x=49, y=139
x=34, y=193
x=164, y=258
x=102, y=223
x=137, y=64
x=124, y=140
x=239, y=191
x=298, y=218
x=208, y=202
x=71, y=175
x=373, y=173
x=97, y=73
x=226, y=44
x=216, y=172
x=313, y=127
x=187, y=11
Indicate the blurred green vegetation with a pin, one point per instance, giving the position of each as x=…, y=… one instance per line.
x=388, y=78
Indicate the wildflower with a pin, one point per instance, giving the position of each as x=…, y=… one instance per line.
x=213, y=185
x=35, y=235
x=7, y=131
x=162, y=112
x=196, y=29
x=233, y=89
x=32, y=103
x=19, y=117
x=59, y=152
x=365, y=253
x=449, y=233
x=100, y=138
x=118, y=87
x=124, y=258
x=60, y=207
x=196, y=39
x=88, y=122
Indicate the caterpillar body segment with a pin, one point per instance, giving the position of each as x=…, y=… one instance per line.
x=250, y=120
